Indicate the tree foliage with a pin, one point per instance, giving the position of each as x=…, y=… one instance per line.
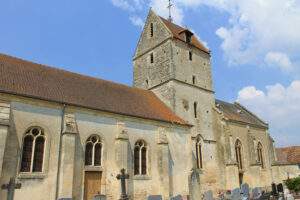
x=293, y=184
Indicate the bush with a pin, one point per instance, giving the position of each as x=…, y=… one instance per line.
x=293, y=184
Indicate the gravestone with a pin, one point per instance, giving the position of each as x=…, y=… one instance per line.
x=245, y=191
x=236, y=194
x=99, y=197
x=208, y=195
x=280, y=188
x=194, y=185
x=154, y=197
x=256, y=193
x=290, y=197
x=178, y=197
x=274, y=189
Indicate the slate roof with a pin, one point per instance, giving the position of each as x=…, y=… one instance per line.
x=238, y=113
x=288, y=155
x=33, y=80
x=178, y=31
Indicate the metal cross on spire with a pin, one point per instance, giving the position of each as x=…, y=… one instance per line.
x=170, y=7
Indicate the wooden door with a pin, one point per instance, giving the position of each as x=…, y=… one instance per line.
x=92, y=184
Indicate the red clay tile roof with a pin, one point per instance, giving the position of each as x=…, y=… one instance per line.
x=177, y=33
x=238, y=113
x=288, y=155
x=38, y=81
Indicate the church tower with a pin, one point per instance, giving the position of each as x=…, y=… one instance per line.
x=171, y=61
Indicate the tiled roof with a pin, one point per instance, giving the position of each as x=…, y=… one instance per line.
x=236, y=112
x=177, y=32
x=288, y=155
x=38, y=81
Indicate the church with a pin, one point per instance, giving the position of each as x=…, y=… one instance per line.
x=67, y=136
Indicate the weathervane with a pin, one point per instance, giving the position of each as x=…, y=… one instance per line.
x=170, y=7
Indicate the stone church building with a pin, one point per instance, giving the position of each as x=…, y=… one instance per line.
x=66, y=135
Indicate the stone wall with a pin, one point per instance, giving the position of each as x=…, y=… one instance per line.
x=253, y=173
x=168, y=146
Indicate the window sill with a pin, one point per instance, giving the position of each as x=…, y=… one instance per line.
x=93, y=168
x=141, y=177
x=39, y=175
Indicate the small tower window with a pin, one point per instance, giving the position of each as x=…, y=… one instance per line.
x=151, y=58
x=190, y=56
x=195, y=109
x=147, y=83
x=194, y=80
x=151, y=30
x=199, y=154
x=188, y=36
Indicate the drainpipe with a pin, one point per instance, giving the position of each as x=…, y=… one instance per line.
x=59, y=149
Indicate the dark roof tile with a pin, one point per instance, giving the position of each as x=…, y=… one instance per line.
x=236, y=112
x=177, y=33
x=288, y=155
x=38, y=81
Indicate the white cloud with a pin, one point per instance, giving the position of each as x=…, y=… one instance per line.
x=255, y=33
x=278, y=105
x=279, y=59
x=255, y=28
x=161, y=8
x=123, y=4
x=137, y=21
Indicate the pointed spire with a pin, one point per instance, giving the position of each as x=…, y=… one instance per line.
x=170, y=7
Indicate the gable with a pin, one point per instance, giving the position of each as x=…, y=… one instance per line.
x=160, y=34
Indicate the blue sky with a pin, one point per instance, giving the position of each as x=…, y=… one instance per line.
x=255, y=45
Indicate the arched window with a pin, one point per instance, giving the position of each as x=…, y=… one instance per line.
x=93, y=151
x=33, y=150
x=238, y=153
x=199, y=154
x=260, y=155
x=140, y=158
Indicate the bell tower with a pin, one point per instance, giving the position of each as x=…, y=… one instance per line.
x=171, y=61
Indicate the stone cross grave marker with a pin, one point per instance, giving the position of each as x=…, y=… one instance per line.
x=208, y=195
x=154, y=197
x=245, y=191
x=10, y=187
x=122, y=177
